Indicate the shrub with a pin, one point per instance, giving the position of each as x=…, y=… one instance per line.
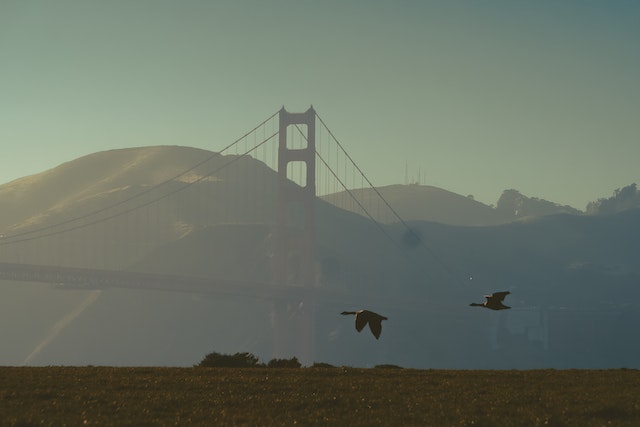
x=284, y=363
x=238, y=360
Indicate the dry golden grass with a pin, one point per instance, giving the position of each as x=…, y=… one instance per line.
x=104, y=396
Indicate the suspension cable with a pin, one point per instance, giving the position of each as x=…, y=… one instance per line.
x=393, y=211
x=157, y=199
x=140, y=194
x=380, y=227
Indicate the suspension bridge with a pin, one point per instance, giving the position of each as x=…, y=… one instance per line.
x=271, y=178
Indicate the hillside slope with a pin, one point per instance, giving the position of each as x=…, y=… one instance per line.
x=574, y=279
x=419, y=202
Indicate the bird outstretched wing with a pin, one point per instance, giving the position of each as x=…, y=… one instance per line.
x=376, y=327
x=365, y=316
x=497, y=296
x=361, y=321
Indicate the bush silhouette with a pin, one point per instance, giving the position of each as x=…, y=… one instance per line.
x=284, y=363
x=238, y=360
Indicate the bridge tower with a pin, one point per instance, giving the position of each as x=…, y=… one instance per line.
x=295, y=236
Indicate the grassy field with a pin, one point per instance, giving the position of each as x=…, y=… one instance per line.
x=104, y=396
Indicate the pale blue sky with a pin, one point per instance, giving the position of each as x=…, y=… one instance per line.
x=541, y=96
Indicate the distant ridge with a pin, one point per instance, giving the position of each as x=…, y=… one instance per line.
x=574, y=279
x=100, y=179
x=422, y=202
x=75, y=182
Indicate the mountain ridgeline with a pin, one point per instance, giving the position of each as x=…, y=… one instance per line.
x=574, y=276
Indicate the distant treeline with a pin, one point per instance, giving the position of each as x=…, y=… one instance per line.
x=513, y=204
x=249, y=360
x=244, y=360
x=623, y=199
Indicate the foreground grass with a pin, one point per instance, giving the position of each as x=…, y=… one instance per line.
x=104, y=396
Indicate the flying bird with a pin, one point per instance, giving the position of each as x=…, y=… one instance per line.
x=365, y=316
x=494, y=301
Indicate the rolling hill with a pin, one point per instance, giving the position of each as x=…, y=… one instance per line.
x=574, y=279
x=420, y=203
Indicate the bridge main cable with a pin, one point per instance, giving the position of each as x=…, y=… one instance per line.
x=391, y=209
x=117, y=214
x=15, y=238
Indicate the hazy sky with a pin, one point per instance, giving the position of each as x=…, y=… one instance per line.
x=481, y=96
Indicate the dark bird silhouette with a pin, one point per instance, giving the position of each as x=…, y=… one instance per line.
x=365, y=316
x=494, y=301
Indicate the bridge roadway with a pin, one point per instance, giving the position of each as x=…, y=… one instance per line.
x=74, y=278
x=89, y=278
